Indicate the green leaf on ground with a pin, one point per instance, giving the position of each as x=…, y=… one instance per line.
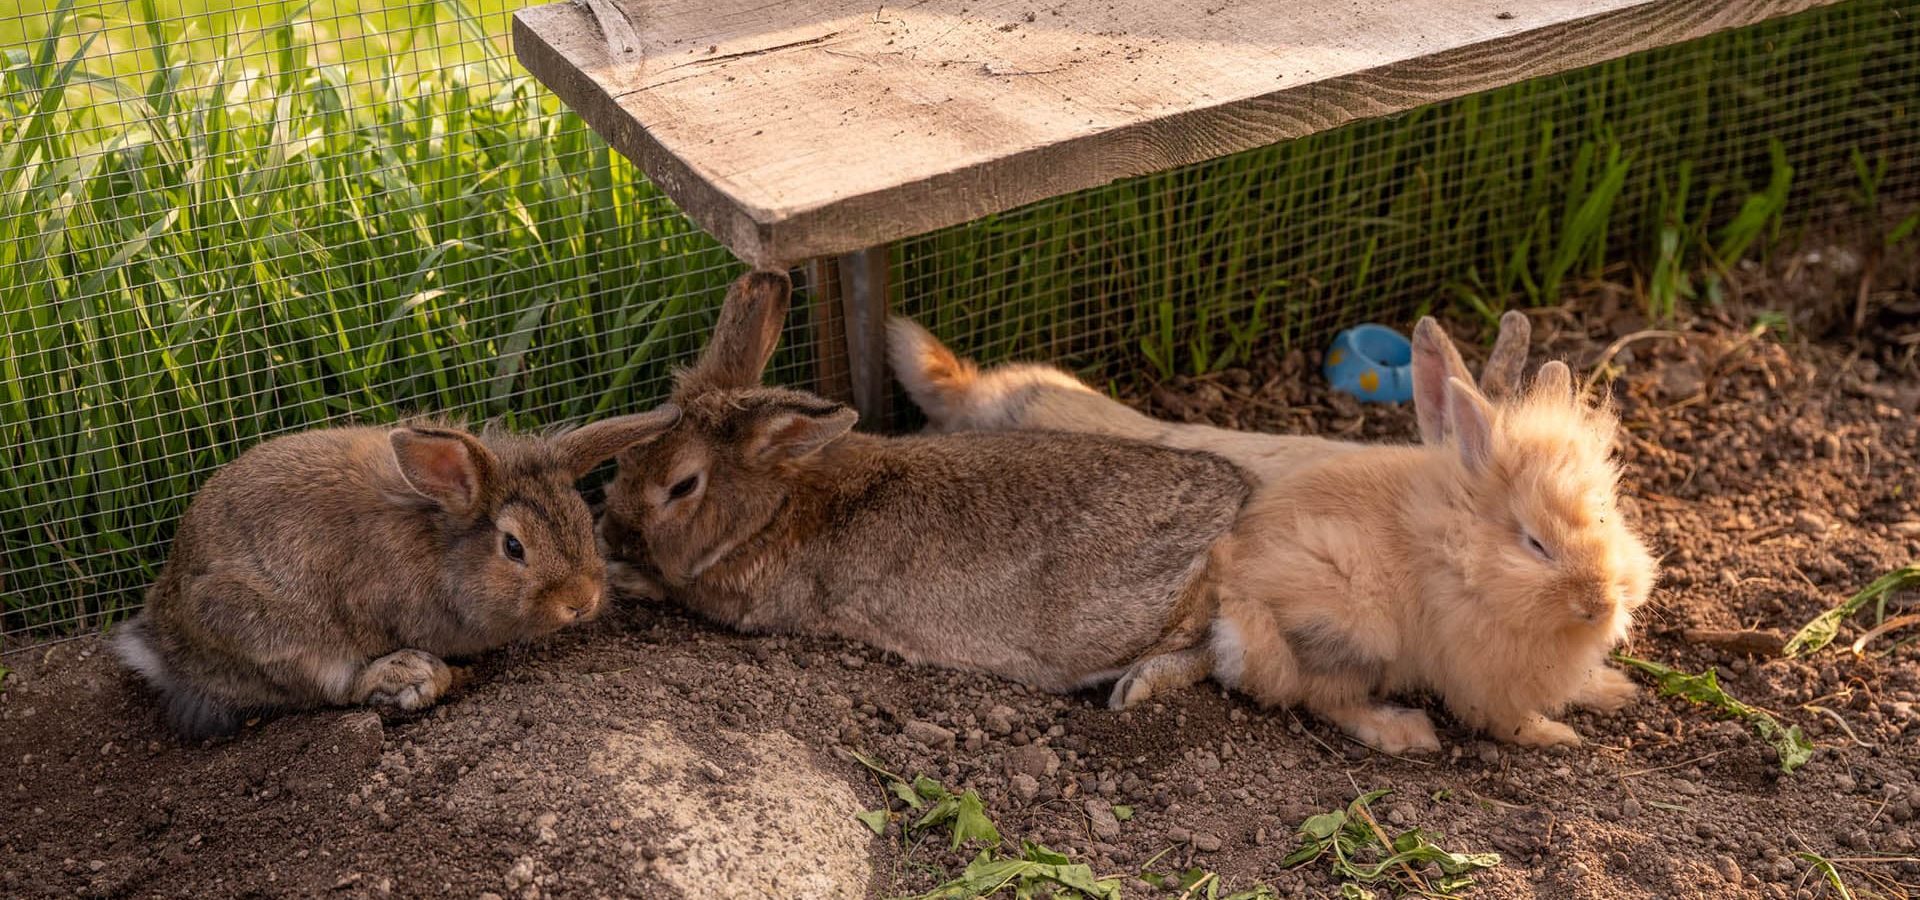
x=875, y=819
x=1824, y=627
x=1036, y=872
x=1352, y=838
x=1794, y=748
x=1122, y=812
x=971, y=822
x=1827, y=870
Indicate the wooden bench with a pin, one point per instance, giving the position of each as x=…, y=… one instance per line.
x=823, y=130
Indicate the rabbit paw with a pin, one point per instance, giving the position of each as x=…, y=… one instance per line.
x=1605, y=689
x=1159, y=674
x=408, y=679
x=1129, y=690
x=1395, y=730
x=1541, y=731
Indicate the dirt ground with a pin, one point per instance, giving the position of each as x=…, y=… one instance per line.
x=648, y=754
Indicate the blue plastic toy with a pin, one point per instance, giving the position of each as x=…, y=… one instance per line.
x=1371, y=362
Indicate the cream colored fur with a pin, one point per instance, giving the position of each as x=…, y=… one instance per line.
x=1391, y=570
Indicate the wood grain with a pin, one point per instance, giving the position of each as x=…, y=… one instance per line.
x=792, y=130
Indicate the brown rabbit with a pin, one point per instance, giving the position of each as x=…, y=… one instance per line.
x=337, y=566
x=1052, y=559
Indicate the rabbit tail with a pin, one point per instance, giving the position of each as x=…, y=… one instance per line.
x=191, y=712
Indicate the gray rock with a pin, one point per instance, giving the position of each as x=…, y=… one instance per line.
x=928, y=735
x=999, y=720
x=521, y=874
x=1206, y=842
x=1106, y=826
x=1026, y=787
x=1033, y=760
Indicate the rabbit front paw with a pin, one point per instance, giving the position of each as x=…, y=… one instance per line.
x=1394, y=730
x=1605, y=689
x=408, y=679
x=1540, y=731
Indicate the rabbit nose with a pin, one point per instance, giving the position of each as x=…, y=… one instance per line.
x=577, y=601
x=585, y=603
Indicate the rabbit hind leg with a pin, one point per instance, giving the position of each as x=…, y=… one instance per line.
x=1161, y=673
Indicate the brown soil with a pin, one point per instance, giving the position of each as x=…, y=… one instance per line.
x=649, y=754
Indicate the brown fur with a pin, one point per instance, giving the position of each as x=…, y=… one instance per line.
x=1050, y=559
x=337, y=566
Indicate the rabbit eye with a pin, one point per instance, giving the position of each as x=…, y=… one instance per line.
x=683, y=487
x=512, y=547
x=1535, y=547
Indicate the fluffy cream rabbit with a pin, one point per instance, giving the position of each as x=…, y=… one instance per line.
x=1493, y=568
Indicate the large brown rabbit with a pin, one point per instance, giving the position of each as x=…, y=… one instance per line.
x=337, y=566
x=1490, y=565
x=1051, y=559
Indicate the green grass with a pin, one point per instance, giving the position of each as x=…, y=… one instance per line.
x=248, y=240
x=219, y=223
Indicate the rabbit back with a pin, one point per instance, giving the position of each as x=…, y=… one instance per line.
x=1043, y=557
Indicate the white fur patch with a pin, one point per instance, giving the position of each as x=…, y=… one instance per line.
x=138, y=655
x=1229, y=653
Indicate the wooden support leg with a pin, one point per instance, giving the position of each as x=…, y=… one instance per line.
x=850, y=332
x=831, y=378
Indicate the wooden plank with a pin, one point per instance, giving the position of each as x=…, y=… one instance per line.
x=794, y=130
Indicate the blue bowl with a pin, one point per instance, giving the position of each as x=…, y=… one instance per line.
x=1371, y=362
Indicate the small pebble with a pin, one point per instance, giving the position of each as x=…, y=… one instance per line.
x=929, y=735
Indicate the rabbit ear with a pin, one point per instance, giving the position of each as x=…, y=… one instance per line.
x=451, y=468
x=1471, y=417
x=1554, y=379
x=792, y=430
x=1500, y=378
x=589, y=445
x=744, y=338
x=1435, y=360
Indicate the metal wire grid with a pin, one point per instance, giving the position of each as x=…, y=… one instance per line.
x=545, y=282
x=1180, y=272
x=1200, y=268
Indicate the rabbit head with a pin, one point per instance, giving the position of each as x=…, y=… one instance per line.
x=515, y=535
x=681, y=504
x=1543, y=540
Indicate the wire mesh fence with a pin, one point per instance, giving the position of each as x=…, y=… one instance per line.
x=1692, y=155
x=222, y=223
